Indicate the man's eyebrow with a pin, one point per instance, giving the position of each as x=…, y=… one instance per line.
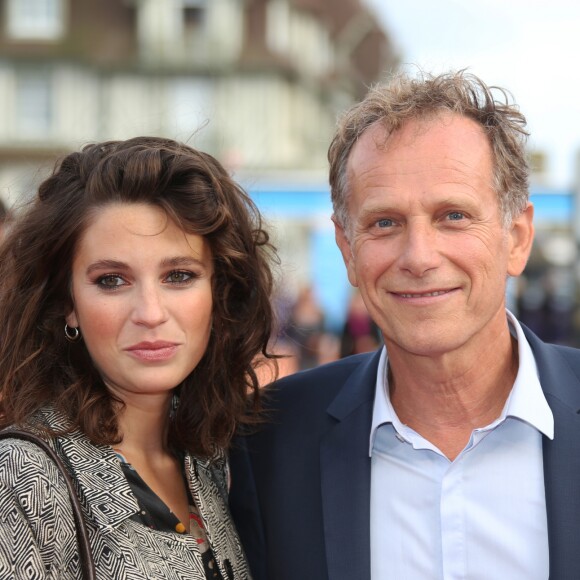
x=374, y=211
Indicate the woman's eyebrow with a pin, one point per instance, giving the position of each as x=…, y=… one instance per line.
x=181, y=261
x=173, y=261
x=107, y=265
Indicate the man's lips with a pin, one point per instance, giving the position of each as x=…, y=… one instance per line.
x=429, y=294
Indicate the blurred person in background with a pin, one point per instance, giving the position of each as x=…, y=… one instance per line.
x=453, y=451
x=360, y=332
x=134, y=302
x=304, y=328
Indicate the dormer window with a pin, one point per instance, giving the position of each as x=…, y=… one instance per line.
x=193, y=12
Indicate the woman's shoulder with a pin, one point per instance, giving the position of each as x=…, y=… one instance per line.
x=25, y=463
x=33, y=492
x=36, y=518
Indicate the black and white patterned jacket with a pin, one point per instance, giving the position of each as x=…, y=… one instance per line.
x=37, y=534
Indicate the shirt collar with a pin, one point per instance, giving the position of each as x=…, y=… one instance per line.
x=526, y=401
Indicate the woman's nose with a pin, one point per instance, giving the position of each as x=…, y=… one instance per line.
x=149, y=309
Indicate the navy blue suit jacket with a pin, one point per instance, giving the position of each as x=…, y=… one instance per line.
x=301, y=484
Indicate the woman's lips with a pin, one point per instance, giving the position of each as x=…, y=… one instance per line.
x=153, y=351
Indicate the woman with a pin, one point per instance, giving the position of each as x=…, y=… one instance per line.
x=134, y=300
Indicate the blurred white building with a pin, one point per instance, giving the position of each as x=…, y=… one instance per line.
x=258, y=83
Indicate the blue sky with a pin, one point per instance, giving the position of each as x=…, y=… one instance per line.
x=530, y=47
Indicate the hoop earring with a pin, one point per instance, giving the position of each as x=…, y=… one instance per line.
x=72, y=333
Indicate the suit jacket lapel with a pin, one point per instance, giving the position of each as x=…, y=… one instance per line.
x=561, y=385
x=345, y=476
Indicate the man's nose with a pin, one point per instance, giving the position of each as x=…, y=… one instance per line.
x=420, y=251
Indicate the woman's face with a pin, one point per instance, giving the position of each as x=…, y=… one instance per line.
x=142, y=298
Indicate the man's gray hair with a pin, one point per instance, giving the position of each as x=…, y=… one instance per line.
x=404, y=98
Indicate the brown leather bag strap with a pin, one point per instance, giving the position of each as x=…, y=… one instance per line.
x=85, y=554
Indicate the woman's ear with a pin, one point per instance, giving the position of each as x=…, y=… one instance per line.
x=71, y=319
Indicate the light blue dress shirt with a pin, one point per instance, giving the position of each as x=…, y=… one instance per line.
x=479, y=517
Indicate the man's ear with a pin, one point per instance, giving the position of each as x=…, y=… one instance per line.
x=345, y=249
x=521, y=239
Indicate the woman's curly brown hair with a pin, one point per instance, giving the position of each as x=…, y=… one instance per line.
x=37, y=364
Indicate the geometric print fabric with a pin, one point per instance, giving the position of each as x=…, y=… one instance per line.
x=37, y=532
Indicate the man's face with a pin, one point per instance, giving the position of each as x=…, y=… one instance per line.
x=426, y=245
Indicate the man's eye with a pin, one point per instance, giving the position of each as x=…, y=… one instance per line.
x=455, y=216
x=385, y=223
x=110, y=281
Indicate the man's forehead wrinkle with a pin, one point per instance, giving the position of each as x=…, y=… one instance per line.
x=469, y=171
x=410, y=167
x=379, y=159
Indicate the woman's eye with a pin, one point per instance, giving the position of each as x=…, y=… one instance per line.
x=179, y=277
x=110, y=281
x=455, y=216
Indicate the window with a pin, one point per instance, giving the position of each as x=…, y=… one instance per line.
x=35, y=19
x=195, y=33
x=34, y=109
x=193, y=12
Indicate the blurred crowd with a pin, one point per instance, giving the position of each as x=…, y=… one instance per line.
x=304, y=339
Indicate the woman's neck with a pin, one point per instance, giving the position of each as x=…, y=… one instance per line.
x=143, y=426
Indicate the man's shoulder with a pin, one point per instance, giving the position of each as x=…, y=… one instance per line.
x=560, y=353
x=329, y=377
x=545, y=351
x=296, y=408
x=568, y=352
x=314, y=389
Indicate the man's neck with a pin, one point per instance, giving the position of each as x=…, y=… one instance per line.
x=445, y=398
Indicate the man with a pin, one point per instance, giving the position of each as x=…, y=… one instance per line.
x=454, y=451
